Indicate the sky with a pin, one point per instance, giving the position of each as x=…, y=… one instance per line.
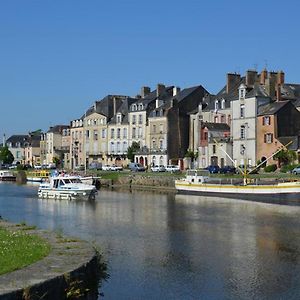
x=58, y=57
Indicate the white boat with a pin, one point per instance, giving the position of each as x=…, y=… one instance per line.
x=198, y=182
x=67, y=188
x=7, y=176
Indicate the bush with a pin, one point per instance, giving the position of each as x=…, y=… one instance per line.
x=287, y=168
x=270, y=168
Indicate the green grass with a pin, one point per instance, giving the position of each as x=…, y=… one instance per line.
x=19, y=249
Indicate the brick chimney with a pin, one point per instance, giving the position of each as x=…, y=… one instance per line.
x=278, y=92
x=233, y=80
x=263, y=76
x=145, y=90
x=251, y=77
x=270, y=84
x=280, y=77
x=160, y=89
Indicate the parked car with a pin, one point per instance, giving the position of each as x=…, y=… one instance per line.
x=136, y=167
x=296, y=170
x=115, y=168
x=106, y=167
x=94, y=165
x=213, y=169
x=172, y=168
x=158, y=168
x=227, y=170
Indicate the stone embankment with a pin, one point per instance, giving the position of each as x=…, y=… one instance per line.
x=141, y=181
x=71, y=270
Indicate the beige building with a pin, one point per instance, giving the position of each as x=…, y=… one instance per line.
x=76, y=153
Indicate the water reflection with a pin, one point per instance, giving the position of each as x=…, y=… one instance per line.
x=167, y=246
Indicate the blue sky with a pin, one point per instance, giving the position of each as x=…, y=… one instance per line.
x=58, y=57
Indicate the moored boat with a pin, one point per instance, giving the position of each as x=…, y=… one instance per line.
x=38, y=176
x=66, y=188
x=198, y=182
x=7, y=176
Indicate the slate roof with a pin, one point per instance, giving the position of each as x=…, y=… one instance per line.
x=58, y=128
x=290, y=91
x=216, y=126
x=124, y=109
x=271, y=108
x=14, y=139
x=286, y=139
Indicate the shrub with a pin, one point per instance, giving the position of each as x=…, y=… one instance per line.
x=270, y=168
x=287, y=168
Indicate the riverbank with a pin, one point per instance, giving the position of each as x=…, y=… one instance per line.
x=72, y=268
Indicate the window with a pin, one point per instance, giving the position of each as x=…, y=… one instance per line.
x=214, y=149
x=124, y=133
x=223, y=104
x=217, y=105
x=266, y=120
x=161, y=144
x=140, y=132
x=161, y=128
x=222, y=119
x=154, y=128
x=242, y=149
x=242, y=93
x=268, y=138
x=118, y=147
x=87, y=134
x=242, y=110
x=112, y=133
x=243, y=132
x=103, y=133
x=133, y=119
x=133, y=133
x=96, y=135
x=140, y=119
x=118, y=133
x=216, y=119
x=112, y=147
x=119, y=118
x=203, y=150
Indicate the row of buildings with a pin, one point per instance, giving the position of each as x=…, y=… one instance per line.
x=245, y=122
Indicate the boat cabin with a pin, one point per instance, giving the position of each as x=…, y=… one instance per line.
x=197, y=176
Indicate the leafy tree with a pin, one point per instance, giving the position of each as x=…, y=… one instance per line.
x=56, y=161
x=191, y=154
x=135, y=146
x=285, y=157
x=6, y=156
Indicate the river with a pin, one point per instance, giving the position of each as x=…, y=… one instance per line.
x=168, y=246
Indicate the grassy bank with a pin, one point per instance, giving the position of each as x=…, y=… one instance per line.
x=19, y=249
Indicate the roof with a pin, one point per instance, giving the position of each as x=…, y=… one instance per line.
x=287, y=139
x=124, y=109
x=216, y=126
x=14, y=139
x=58, y=128
x=271, y=108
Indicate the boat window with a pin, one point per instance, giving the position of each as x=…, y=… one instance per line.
x=61, y=182
x=55, y=183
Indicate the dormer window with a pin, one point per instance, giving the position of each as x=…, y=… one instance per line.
x=217, y=105
x=119, y=118
x=223, y=104
x=134, y=107
x=242, y=92
x=141, y=107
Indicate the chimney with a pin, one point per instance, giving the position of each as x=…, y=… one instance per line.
x=145, y=90
x=263, y=76
x=280, y=77
x=278, y=92
x=233, y=80
x=176, y=90
x=270, y=84
x=160, y=89
x=251, y=77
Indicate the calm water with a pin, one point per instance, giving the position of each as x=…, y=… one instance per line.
x=166, y=246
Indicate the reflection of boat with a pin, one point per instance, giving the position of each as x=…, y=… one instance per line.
x=197, y=182
x=7, y=176
x=38, y=176
x=66, y=187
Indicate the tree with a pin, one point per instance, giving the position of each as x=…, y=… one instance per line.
x=285, y=157
x=6, y=156
x=135, y=146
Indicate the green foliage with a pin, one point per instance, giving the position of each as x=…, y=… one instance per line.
x=270, y=168
x=6, y=156
x=285, y=157
x=135, y=146
x=287, y=168
x=191, y=154
x=56, y=161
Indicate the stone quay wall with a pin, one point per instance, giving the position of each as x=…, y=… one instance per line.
x=71, y=269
